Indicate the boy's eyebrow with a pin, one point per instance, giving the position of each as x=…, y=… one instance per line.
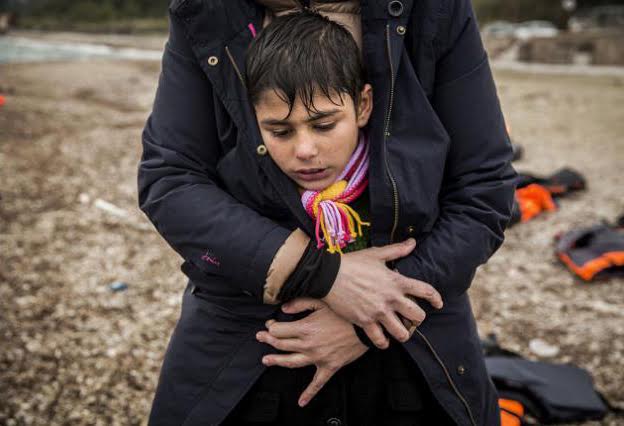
x=313, y=117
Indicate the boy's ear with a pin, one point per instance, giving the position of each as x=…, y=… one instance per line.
x=365, y=106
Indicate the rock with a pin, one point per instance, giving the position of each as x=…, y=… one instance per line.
x=110, y=208
x=118, y=286
x=543, y=349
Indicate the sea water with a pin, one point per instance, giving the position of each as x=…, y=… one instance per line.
x=20, y=49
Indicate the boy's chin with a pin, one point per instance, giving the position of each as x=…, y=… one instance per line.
x=315, y=185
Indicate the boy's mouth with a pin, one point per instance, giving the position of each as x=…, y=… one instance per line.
x=310, y=175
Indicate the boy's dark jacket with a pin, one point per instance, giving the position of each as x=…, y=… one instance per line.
x=440, y=172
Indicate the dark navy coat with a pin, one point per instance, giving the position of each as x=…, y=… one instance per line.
x=440, y=172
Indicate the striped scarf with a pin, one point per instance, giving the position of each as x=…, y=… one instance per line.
x=329, y=208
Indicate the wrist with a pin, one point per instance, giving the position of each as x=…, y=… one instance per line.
x=314, y=275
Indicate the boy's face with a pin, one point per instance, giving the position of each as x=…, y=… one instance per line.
x=312, y=147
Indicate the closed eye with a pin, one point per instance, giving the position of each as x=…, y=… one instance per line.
x=324, y=127
x=281, y=133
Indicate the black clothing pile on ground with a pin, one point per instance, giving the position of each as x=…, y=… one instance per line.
x=595, y=252
x=548, y=393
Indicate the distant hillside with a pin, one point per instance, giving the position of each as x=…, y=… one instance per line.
x=524, y=10
x=88, y=10
x=122, y=15
x=119, y=16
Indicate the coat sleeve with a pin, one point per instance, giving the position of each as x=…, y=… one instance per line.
x=178, y=186
x=477, y=190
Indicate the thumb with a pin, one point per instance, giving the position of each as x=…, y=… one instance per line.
x=302, y=304
x=397, y=250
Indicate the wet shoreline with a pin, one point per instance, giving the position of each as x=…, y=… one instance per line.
x=33, y=47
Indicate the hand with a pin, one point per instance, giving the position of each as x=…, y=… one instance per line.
x=369, y=294
x=322, y=338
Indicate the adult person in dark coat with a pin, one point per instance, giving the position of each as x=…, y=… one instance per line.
x=440, y=172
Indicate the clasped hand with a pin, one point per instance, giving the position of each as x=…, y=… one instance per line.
x=322, y=339
x=365, y=293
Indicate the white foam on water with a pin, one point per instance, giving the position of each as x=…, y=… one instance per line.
x=21, y=49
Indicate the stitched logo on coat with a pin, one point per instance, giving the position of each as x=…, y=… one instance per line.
x=211, y=258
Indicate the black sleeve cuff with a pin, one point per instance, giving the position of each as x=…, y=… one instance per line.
x=313, y=276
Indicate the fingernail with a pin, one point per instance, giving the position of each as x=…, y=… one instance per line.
x=268, y=323
x=266, y=361
x=302, y=403
x=285, y=308
x=258, y=336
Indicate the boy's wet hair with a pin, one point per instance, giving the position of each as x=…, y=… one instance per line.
x=300, y=53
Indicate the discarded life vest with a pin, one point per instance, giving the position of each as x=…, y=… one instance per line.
x=535, y=195
x=533, y=200
x=550, y=393
x=546, y=392
x=511, y=412
x=593, y=253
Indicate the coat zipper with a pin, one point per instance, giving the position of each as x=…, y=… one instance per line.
x=395, y=194
x=449, y=378
x=395, y=191
x=236, y=69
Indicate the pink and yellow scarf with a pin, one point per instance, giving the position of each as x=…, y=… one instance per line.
x=329, y=208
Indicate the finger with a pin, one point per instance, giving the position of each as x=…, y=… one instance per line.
x=397, y=250
x=302, y=304
x=287, y=360
x=286, y=345
x=394, y=326
x=422, y=290
x=321, y=377
x=285, y=329
x=409, y=309
x=376, y=335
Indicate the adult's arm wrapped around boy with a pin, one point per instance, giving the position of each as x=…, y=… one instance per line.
x=477, y=191
x=178, y=184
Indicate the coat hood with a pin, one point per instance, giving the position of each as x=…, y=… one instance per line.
x=332, y=6
x=345, y=12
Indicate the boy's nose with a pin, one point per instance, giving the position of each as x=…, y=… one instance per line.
x=306, y=148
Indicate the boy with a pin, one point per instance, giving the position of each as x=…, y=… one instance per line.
x=306, y=82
